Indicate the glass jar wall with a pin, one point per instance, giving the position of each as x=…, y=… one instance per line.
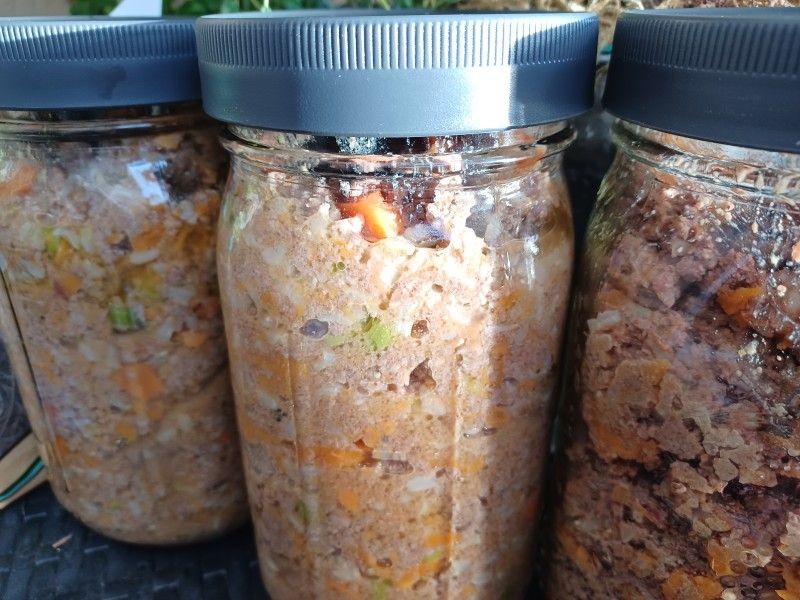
x=111, y=315
x=681, y=474
x=394, y=323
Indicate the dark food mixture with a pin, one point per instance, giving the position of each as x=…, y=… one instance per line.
x=683, y=473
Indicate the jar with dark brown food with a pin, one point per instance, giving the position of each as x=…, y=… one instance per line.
x=394, y=304
x=681, y=474
x=110, y=309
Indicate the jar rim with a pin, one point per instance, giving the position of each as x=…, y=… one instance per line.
x=371, y=156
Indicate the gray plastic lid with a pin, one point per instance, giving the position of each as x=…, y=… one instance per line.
x=62, y=63
x=396, y=73
x=723, y=75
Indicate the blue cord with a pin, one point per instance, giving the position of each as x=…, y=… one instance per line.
x=23, y=480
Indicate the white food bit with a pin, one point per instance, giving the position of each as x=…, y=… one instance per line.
x=729, y=595
x=166, y=434
x=604, y=321
x=274, y=256
x=33, y=269
x=460, y=566
x=319, y=221
x=181, y=295
x=781, y=289
x=144, y=256
x=432, y=405
x=165, y=330
x=421, y=483
x=749, y=349
x=344, y=570
x=187, y=213
x=143, y=172
x=754, y=227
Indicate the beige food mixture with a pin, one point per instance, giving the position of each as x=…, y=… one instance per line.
x=683, y=471
x=394, y=345
x=114, y=326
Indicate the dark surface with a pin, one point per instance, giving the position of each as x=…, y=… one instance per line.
x=91, y=567
x=13, y=423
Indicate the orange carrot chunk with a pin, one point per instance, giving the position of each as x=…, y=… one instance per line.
x=380, y=219
x=139, y=381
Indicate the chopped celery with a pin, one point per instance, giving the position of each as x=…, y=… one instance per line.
x=377, y=335
x=433, y=556
x=339, y=266
x=380, y=589
x=51, y=242
x=334, y=341
x=301, y=510
x=124, y=319
x=374, y=334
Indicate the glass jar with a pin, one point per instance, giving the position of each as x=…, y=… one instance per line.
x=394, y=311
x=111, y=315
x=683, y=452
x=109, y=195
x=395, y=253
x=680, y=464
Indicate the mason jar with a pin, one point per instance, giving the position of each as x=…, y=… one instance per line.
x=110, y=307
x=394, y=284
x=680, y=471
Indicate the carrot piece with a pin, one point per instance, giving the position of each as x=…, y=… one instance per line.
x=126, y=430
x=148, y=239
x=736, y=300
x=66, y=285
x=253, y=433
x=436, y=540
x=19, y=182
x=349, y=499
x=338, y=457
x=193, y=339
x=139, y=381
x=380, y=219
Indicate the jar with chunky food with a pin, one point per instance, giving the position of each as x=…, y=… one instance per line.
x=110, y=308
x=394, y=310
x=680, y=477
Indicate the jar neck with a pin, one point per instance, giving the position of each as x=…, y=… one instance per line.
x=100, y=122
x=709, y=163
x=376, y=156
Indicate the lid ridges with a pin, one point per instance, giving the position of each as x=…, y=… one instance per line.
x=734, y=46
x=328, y=44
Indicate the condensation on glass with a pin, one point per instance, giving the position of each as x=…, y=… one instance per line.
x=111, y=315
x=394, y=312
x=682, y=469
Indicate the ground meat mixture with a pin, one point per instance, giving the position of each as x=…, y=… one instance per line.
x=111, y=317
x=683, y=455
x=394, y=345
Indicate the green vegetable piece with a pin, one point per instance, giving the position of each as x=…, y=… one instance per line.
x=51, y=242
x=377, y=335
x=301, y=510
x=380, y=589
x=334, y=341
x=124, y=319
x=338, y=267
x=433, y=556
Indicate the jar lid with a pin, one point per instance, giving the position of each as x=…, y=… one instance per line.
x=61, y=63
x=723, y=75
x=396, y=73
